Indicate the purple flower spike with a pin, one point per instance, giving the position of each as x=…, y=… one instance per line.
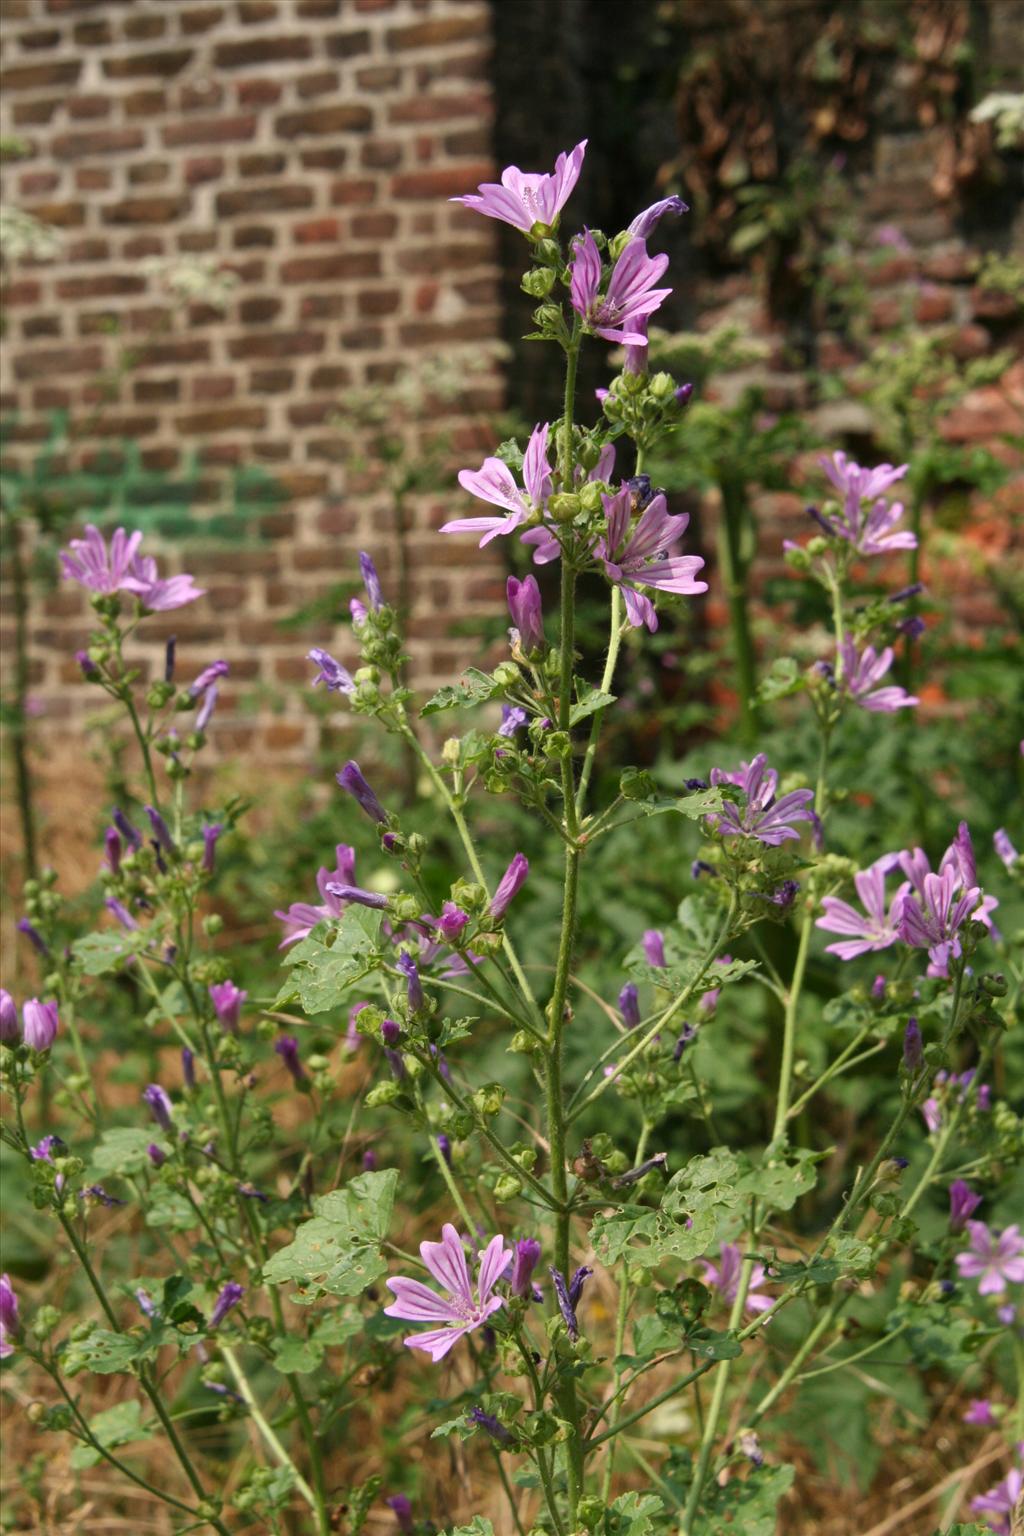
x=527, y=1255
x=34, y=937
x=565, y=1306
x=444, y=1146
x=351, y=780
x=132, y=837
x=39, y=1024
x=230, y=1295
x=160, y=828
x=210, y=835
x=630, y=298
x=1004, y=848
x=156, y=1155
x=160, y=1106
x=371, y=581
x=494, y=1427
x=207, y=677
x=9, y=1031
x=509, y=885
x=188, y=1067
x=963, y=1202
x=120, y=911
x=227, y=1000
x=526, y=198
x=112, y=843
x=645, y=223
x=287, y=1047
x=169, y=655
x=763, y=817
x=10, y=1325
x=994, y=1259
x=357, y=894
x=414, y=987
x=206, y=708
x=458, y=1311
x=913, y=1047
x=402, y=1511
x=524, y=605
x=88, y=666
x=332, y=674
x=653, y=943
x=629, y=1005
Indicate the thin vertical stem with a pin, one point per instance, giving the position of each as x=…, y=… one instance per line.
x=715, y=1411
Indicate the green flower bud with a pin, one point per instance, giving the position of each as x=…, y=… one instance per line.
x=548, y=317
x=590, y=496
x=523, y=1043
x=591, y=1511
x=538, y=282
x=451, y=751
x=382, y=1094
x=213, y=924
x=662, y=386
x=489, y=1098
x=47, y=1318
x=548, y=251
x=563, y=506
x=508, y=1187
x=617, y=244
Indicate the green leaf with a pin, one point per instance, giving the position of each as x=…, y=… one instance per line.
x=120, y=1425
x=97, y=954
x=699, y=803
x=168, y=1208
x=338, y=1250
x=589, y=704
x=749, y=1505
x=478, y=1526
x=713, y=1346
x=323, y=974
x=632, y=1514
x=473, y=687
x=122, y=1151
x=338, y=1327
x=463, y=1427
x=107, y=1353
x=297, y=1357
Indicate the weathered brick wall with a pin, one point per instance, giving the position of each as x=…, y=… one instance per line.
x=309, y=145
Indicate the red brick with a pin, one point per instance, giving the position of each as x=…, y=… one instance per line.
x=231, y=418
x=342, y=118
x=933, y=304
x=438, y=32
x=272, y=199
x=329, y=269
x=315, y=231
x=439, y=109
x=200, y=19
x=258, y=93
x=348, y=45
x=142, y=28
x=204, y=168
x=374, y=226
x=170, y=62
x=261, y=50
x=216, y=386
x=276, y=344
x=447, y=181
x=261, y=165
x=39, y=77
x=146, y=210
x=89, y=178
x=209, y=130
x=346, y=192
x=89, y=106
x=308, y=86
x=51, y=364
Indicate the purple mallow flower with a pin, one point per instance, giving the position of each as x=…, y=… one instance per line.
x=89, y=562
x=302, y=917
x=979, y=1411
x=458, y=1311
x=371, y=581
x=725, y=1277
x=188, y=1067
x=862, y=674
x=352, y=781
x=120, y=911
x=160, y=828
x=642, y=556
x=357, y=894
x=526, y=198
x=112, y=844
x=39, y=1024
x=763, y=817
x=205, y=712
x=512, y=719
x=210, y=835
x=963, y=1202
x=879, y=928
x=207, y=677
x=227, y=1000
x=495, y=483
x=156, y=1155
x=524, y=1262
x=509, y=885
x=1001, y=1501
x=230, y=1295
x=158, y=594
x=402, y=1511
x=88, y=666
x=525, y=608
x=646, y=222
x=629, y=1005
x=414, y=987
x=621, y=313
x=332, y=674
x=874, y=531
x=287, y=1047
x=160, y=1106
x=913, y=1047
x=450, y=924
x=1004, y=848
x=33, y=935
x=565, y=1303
x=9, y=1031
x=653, y=943
x=994, y=1259
x=10, y=1325
x=130, y=834
x=494, y=1427
x=444, y=1146
x=932, y=918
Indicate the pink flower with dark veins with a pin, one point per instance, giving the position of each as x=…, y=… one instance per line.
x=459, y=1310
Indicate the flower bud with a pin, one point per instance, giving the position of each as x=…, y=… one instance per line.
x=538, y=282
x=563, y=506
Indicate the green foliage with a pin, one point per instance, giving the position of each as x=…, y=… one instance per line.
x=325, y=966
x=120, y=1425
x=337, y=1252
x=748, y=1504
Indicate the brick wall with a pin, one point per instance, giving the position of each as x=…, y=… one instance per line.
x=308, y=145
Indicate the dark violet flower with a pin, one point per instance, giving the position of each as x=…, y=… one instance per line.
x=725, y=1277
x=351, y=780
x=39, y=1024
x=131, y=836
x=450, y=924
x=683, y=394
x=160, y=828
x=1004, y=848
x=358, y=609
x=188, y=1067
x=371, y=581
x=414, y=987
x=356, y=893
x=332, y=674
x=785, y=894
x=646, y=222
x=963, y=1202
x=642, y=558
x=494, y=1427
x=629, y=1005
x=147, y=1306
x=512, y=719
x=1001, y=1501
x=250, y=1192
x=369, y=1162
x=156, y=1155
x=750, y=1446
x=653, y=943
x=878, y=988
x=160, y=1106
x=763, y=817
x=994, y=1259
x=658, y=1162
x=699, y=867
x=207, y=677
x=576, y=1284
x=210, y=835
x=458, y=1311
x=913, y=627
x=395, y=1062
x=88, y=666
x=34, y=937
x=206, y=708
x=524, y=1262
x=879, y=928
x=169, y=654
x=227, y=1000
x=120, y=911
x=494, y=482
x=862, y=674
x=565, y=1306
x=97, y=1192
x=112, y=844
x=524, y=606
x=630, y=298
x=390, y=1032
x=444, y=1146
x=509, y=885
x=302, y=917
x=10, y=1324
x=9, y=1031
x=687, y=1035
x=913, y=1047
x=47, y=1149
x=526, y=198
x=230, y=1295
x=402, y=1511
x=933, y=918
x=874, y=531
x=287, y=1047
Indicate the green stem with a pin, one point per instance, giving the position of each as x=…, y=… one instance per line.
x=621, y=1317
x=453, y=1188
x=789, y=1028
x=734, y=584
x=715, y=1411
x=607, y=677
x=277, y=1449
